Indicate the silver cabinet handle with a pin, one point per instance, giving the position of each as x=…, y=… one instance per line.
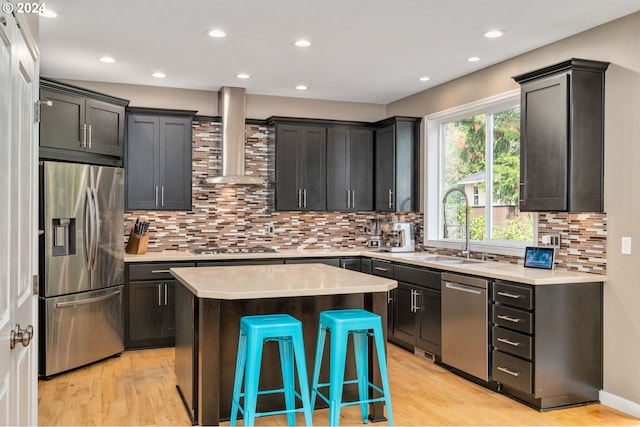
x=19, y=335
x=390, y=198
x=166, y=287
x=159, y=295
x=509, y=295
x=160, y=271
x=89, y=137
x=389, y=298
x=348, y=199
x=416, y=304
x=380, y=269
x=353, y=199
x=506, y=341
x=156, y=202
x=83, y=143
x=304, y=198
x=162, y=196
x=299, y=197
x=509, y=319
x=508, y=371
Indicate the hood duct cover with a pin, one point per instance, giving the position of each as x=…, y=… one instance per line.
x=231, y=106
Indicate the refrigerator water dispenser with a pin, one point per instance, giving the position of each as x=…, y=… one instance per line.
x=64, y=236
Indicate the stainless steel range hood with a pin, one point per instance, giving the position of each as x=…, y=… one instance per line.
x=231, y=106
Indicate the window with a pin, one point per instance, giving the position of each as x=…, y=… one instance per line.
x=475, y=148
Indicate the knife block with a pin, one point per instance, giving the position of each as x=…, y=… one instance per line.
x=137, y=244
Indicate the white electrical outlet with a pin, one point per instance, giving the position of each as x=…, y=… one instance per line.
x=626, y=246
x=271, y=229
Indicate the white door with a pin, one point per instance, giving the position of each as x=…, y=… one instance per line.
x=18, y=226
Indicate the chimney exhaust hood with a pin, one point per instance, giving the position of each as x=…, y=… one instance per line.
x=231, y=106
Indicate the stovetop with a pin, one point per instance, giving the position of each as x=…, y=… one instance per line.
x=213, y=251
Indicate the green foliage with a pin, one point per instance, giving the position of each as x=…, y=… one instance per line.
x=517, y=228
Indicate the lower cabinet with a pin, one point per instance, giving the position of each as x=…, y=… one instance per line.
x=350, y=263
x=150, y=305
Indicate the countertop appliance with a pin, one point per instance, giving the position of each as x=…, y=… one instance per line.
x=399, y=238
x=81, y=265
x=465, y=324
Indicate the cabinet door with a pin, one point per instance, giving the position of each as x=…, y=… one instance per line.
x=288, y=187
x=105, y=128
x=313, y=168
x=145, y=310
x=361, y=169
x=175, y=163
x=338, y=170
x=169, y=309
x=142, y=162
x=544, y=147
x=429, y=323
x=385, y=169
x=61, y=124
x=404, y=316
x=351, y=264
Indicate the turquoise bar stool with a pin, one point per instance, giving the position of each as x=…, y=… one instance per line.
x=254, y=332
x=358, y=323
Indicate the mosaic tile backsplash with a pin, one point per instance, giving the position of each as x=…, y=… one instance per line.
x=239, y=216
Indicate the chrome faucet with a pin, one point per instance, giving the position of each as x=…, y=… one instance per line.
x=465, y=251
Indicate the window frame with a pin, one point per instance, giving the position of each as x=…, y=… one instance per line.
x=434, y=165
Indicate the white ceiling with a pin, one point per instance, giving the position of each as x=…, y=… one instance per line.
x=362, y=50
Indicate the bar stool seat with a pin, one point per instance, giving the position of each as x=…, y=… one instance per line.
x=254, y=332
x=358, y=323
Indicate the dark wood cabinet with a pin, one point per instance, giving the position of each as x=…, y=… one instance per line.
x=349, y=263
x=300, y=169
x=81, y=125
x=562, y=137
x=150, y=316
x=158, y=160
x=349, y=169
x=547, y=342
x=396, y=168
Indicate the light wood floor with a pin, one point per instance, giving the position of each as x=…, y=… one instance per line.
x=138, y=388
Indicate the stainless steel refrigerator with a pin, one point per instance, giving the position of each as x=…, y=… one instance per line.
x=81, y=265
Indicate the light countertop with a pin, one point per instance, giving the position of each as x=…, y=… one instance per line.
x=489, y=269
x=277, y=281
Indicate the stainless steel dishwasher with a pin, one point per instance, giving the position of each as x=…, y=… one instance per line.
x=465, y=327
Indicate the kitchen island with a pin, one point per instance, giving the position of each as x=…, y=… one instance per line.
x=210, y=302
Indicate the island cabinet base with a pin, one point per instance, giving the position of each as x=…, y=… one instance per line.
x=207, y=339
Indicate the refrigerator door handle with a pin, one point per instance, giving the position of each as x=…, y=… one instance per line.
x=96, y=228
x=86, y=301
x=88, y=232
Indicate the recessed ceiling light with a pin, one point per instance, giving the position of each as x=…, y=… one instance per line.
x=302, y=87
x=243, y=76
x=48, y=13
x=302, y=43
x=159, y=75
x=492, y=34
x=216, y=33
x=107, y=60
x=424, y=79
x=473, y=59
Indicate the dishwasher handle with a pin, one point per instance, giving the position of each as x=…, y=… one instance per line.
x=463, y=288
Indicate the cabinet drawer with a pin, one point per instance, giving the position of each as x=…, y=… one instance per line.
x=417, y=276
x=511, y=294
x=158, y=271
x=382, y=268
x=512, y=371
x=512, y=318
x=512, y=342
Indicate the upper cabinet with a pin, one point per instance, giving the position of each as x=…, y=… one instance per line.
x=350, y=169
x=80, y=125
x=562, y=137
x=158, y=160
x=396, y=164
x=300, y=169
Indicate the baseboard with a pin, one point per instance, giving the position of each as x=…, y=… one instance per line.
x=619, y=403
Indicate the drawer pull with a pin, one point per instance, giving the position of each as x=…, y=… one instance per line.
x=509, y=295
x=160, y=271
x=509, y=318
x=380, y=269
x=506, y=341
x=508, y=371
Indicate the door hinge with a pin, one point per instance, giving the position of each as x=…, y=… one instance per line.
x=36, y=284
x=36, y=109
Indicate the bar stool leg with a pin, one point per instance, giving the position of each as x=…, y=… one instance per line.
x=252, y=377
x=361, y=349
x=382, y=362
x=338, y=355
x=322, y=333
x=286, y=364
x=303, y=381
x=239, y=377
